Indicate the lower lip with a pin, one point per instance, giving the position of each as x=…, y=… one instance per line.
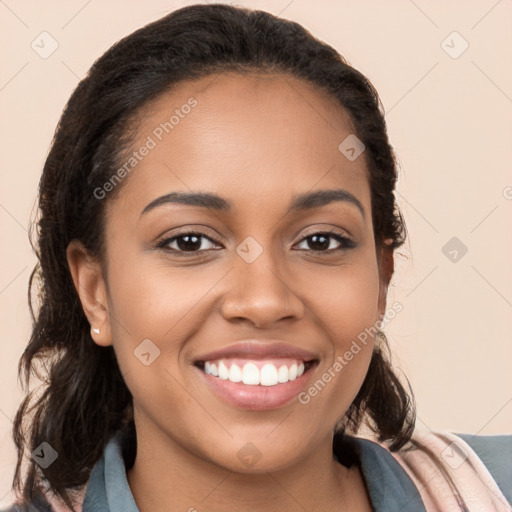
x=258, y=398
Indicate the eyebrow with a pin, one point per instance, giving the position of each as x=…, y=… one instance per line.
x=301, y=202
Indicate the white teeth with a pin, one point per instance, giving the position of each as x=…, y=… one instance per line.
x=223, y=371
x=250, y=374
x=235, y=374
x=292, y=372
x=268, y=375
x=282, y=374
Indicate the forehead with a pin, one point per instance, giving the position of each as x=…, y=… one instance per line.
x=243, y=136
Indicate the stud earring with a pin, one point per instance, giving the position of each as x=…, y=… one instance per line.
x=96, y=331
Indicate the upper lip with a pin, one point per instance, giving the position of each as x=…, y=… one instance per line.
x=258, y=349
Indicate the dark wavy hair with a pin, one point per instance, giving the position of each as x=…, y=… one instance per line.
x=83, y=399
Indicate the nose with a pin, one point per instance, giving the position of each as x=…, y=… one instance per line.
x=260, y=292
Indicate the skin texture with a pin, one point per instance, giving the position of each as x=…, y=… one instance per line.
x=257, y=141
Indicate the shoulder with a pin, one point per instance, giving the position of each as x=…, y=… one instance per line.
x=496, y=454
x=389, y=485
x=477, y=467
x=38, y=504
x=47, y=501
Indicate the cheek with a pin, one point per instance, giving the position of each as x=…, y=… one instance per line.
x=152, y=316
x=345, y=303
x=155, y=311
x=345, y=299
x=155, y=301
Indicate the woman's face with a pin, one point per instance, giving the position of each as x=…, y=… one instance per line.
x=254, y=268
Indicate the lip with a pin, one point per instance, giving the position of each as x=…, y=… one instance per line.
x=258, y=398
x=258, y=349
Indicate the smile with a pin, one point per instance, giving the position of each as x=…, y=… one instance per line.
x=256, y=373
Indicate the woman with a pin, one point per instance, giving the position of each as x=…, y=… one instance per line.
x=216, y=240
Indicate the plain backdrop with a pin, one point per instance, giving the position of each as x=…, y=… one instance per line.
x=443, y=73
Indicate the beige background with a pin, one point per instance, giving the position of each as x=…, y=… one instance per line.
x=450, y=120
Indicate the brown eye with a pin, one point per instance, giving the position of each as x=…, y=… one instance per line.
x=187, y=242
x=323, y=242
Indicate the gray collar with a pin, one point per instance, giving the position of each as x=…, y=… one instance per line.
x=389, y=486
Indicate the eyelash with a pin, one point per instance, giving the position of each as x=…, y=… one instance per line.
x=345, y=242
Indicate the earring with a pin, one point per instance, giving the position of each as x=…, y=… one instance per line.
x=96, y=331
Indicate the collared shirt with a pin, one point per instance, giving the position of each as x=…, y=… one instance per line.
x=389, y=486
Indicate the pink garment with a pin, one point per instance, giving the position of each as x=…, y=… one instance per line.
x=471, y=483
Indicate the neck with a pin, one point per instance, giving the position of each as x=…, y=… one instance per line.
x=166, y=477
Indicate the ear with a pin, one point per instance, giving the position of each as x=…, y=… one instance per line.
x=386, y=268
x=90, y=285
